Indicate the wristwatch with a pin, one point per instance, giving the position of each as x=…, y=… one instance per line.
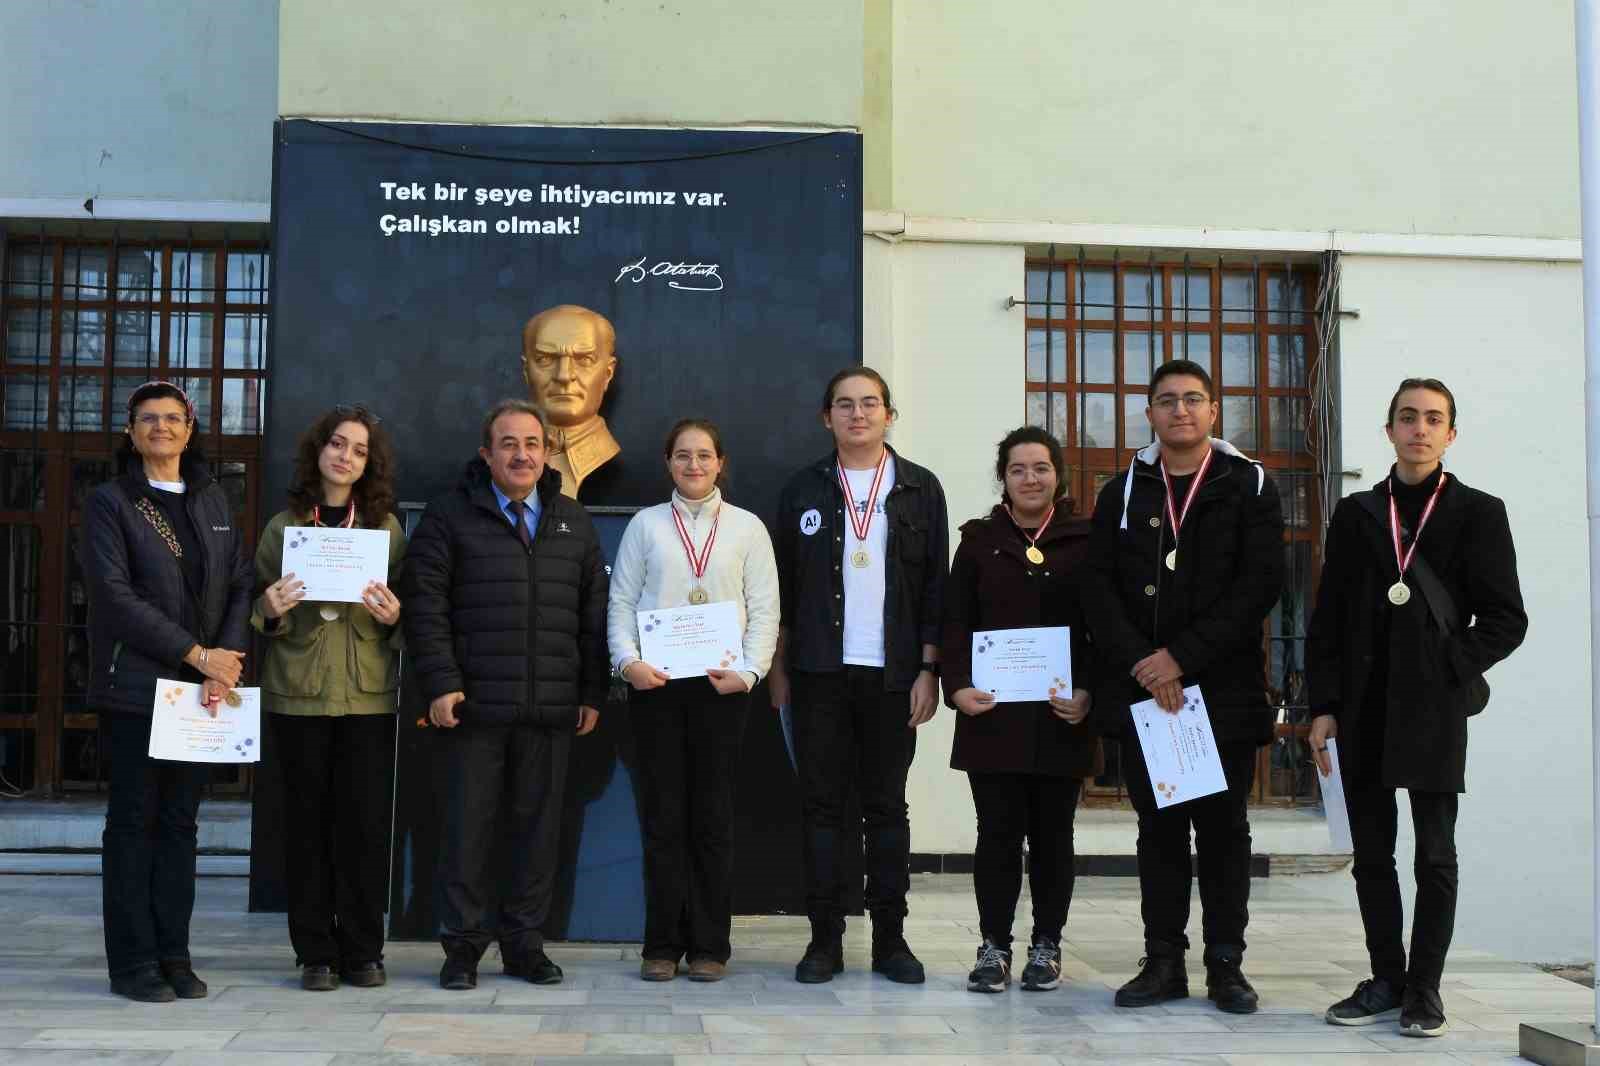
x=932, y=668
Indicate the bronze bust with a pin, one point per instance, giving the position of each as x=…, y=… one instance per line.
x=568, y=360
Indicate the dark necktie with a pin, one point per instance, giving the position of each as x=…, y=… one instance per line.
x=517, y=507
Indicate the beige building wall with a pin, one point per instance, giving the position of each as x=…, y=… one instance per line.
x=618, y=62
x=1428, y=117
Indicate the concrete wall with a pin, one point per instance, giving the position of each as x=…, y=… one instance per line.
x=1508, y=339
x=1429, y=117
x=620, y=62
x=169, y=101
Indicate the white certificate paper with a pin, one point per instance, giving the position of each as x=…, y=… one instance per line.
x=1020, y=665
x=1333, y=801
x=181, y=729
x=688, y=641
x=335, y=564
x=1180, y=750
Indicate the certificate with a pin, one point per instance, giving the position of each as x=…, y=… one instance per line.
x=688, y=641
x=335, y=563
x=1180, y=750
x=182, y=730
x=1019, y=665
x=1333, y=801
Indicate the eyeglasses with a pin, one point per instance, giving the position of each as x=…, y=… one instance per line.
x=1193, y=401
x=150, y=420
x=867, y=404
x=685, y=458
x=360, y=410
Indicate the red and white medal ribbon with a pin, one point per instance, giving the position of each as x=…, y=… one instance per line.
x=1035, y=556
x=861, y=523
x=1176, y=517
x=697, y=561
x=349, y=518
x=1399, y=592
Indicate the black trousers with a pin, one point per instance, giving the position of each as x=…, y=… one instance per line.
x=338, y=777
x=849, y=732
x=1011, y=807
x=148, y=849
x=687, y=736
x=1373, y=827
x=1221, y=824
x=504, y=787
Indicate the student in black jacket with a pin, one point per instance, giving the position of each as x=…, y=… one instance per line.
x=505, y=624
x=1419, y=596
x=863, y=549
x=1185, y=560
x=169, y=597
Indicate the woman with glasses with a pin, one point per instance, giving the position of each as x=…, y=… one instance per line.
x=329, y=683
x=1017, y=568
x=169, y=598
x=694, y=549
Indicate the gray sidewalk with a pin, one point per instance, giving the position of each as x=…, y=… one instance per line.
x=1306, y=951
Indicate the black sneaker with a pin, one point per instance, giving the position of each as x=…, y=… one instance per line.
x=318, y=978
x=534, y=966
x=992, y=973
x=460, y=969
x=1422, y=1012
x=1227, y=987
x=892, y=958
x=1161, y=978
x=145, y=985
x=1375, y=1000
x=181, y=976
x=1043, y=971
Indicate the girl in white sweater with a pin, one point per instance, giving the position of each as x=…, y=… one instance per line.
x=694, y=549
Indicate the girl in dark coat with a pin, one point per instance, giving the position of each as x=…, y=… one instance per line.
x=1016, y=569
x=169, y=597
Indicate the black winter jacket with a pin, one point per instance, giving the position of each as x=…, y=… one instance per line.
x=143, y=615
x=1428, y=676
x=522, y=634
x=1207, y=613
x=811, y=569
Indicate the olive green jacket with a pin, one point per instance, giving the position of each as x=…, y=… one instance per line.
x=313, y=666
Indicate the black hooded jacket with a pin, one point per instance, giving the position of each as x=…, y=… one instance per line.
x=522, y=633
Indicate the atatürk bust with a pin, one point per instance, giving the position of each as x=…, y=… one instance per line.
x=568, y=359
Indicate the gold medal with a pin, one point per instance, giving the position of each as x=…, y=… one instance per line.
x=861, y=560
x=1172, y=559
x=1399, y=594
x=1035, y=556
x=697, y=596
x=328, y=614
x=232, y=698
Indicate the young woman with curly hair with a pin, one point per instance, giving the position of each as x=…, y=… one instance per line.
x=329, y=681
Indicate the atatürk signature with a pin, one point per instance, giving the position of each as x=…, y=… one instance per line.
x=636, y=272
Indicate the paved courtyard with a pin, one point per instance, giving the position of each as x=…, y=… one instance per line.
x=1305, y=952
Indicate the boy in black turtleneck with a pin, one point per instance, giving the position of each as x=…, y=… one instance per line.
x=1418, y=597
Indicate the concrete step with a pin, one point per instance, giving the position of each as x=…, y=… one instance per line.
x=75, y=824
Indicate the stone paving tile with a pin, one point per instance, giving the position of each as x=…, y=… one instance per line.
x=134, y=1039
x=331, y=1041
x=85, y=1058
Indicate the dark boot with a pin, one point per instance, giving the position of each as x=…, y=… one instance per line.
x=1162, y=977
x=824, y=956
x=460, y=969
x=533, y=966
x=146, y=985
x=1225, y=982
x=891, y=955
x=364, y=974
x=181, y=976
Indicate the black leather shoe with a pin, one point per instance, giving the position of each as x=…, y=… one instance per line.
x=1374, y=1000
x=364, y=975
x=1161, y=978
x=822, y=960
x=180, y=975
x=318, y=978
x=1422, y=1012
x=1227, y=988
x=894, y=960
x=460, y=970
x=534, y=967
x=146, y=985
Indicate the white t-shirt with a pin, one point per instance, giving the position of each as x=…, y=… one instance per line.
x=170, y=486
x=863, y=586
